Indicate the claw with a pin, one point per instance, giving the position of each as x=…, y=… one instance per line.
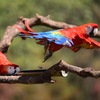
x=48, y=56
x=52, y=81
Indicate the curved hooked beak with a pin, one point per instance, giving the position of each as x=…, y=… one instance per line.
x=92, y=31
x=17, y=69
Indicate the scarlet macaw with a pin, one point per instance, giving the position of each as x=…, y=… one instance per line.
x=72, y=38
x=7, y=67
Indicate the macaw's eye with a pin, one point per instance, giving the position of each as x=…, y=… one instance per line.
x=91, y=30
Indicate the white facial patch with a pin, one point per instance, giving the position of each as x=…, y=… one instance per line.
x=11, y=70
x=89, y=29
x=64, y=74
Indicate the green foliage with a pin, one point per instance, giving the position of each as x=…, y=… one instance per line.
x=29, y=55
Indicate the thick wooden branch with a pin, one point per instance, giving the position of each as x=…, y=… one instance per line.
x=11, y=31
x=42, y=76
x=45, y=76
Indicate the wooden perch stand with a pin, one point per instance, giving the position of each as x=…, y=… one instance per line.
x=41, y=76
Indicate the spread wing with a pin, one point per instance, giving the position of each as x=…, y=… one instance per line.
x=52, y=36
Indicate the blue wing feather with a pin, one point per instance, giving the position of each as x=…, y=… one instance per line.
x=57, y=38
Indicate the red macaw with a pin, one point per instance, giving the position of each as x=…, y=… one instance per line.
x=7, y=67
x=72, y=38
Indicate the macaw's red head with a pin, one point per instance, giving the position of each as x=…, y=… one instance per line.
x=85, y=31
x=82, y=37
x=7, y=67
x=89, y=29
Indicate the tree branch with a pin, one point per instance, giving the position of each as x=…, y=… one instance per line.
x=41, y=76
x=45, y=76
x=11, y=31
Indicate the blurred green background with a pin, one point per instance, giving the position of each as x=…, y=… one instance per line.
x=29, y=55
